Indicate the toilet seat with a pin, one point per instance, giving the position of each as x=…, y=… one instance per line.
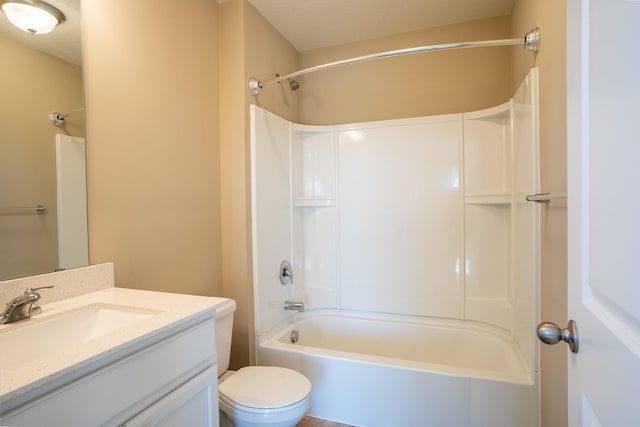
x=260, y=389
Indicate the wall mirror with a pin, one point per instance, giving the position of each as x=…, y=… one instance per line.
x=43, y=222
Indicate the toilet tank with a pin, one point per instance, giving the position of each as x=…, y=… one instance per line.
x=224, y=326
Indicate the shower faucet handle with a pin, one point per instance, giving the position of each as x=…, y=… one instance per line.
x=286, y=272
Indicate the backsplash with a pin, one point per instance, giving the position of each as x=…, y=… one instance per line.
x=66, y=284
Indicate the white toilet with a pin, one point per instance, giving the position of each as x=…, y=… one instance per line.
x=256, y=395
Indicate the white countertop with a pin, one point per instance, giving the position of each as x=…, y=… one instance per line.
x=175, y=312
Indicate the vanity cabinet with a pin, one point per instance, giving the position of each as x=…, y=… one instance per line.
x=169, y=380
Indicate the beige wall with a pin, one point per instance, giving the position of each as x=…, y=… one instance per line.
x=236, y=245
x=152, y=96
x=250, y=46
x=408, y=86
x=33, y=85
x=550, y=16
x=267, y=53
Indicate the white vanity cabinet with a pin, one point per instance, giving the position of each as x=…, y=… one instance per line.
x=168, y=379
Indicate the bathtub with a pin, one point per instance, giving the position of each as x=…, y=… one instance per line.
x=384, y=370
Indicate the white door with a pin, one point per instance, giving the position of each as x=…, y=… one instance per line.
x=603, y=69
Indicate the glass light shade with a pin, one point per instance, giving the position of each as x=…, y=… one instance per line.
x=32, y=18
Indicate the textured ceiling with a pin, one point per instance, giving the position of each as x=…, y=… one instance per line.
x=313, y=24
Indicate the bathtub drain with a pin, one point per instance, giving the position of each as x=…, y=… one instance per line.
x=294, y=336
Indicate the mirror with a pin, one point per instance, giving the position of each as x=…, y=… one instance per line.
x=42, y=166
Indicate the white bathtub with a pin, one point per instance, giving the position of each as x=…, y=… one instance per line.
x=392, y=371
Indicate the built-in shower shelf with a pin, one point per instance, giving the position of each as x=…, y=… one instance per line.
x=488, y=199
x=311, y=202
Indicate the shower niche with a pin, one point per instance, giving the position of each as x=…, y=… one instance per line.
x=422, y=216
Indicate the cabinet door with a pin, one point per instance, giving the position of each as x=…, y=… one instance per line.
x=194, y=404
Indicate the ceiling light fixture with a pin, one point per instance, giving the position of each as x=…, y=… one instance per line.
x=32, y=16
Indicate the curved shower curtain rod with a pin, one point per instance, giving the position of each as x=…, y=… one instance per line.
x=531, y=42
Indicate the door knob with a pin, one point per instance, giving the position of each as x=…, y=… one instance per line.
x=550, y=333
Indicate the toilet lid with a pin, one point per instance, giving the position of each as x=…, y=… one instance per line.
x=264, y=387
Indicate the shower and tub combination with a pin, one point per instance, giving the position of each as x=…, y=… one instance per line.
x=411, y=263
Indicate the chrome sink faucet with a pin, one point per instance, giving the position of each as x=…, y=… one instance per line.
x=23, y=306
x=294, y=305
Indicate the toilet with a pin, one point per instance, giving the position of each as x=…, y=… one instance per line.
x=256, y=395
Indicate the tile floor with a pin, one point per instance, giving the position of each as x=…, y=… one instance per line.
x=317, y=422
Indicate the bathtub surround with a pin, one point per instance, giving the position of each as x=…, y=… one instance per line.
x=421, y=217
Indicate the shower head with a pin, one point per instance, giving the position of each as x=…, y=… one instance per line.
x=294, y=84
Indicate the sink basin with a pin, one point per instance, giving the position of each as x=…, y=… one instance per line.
x=28, y=340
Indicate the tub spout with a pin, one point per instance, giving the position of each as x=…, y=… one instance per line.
x=294, y=305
